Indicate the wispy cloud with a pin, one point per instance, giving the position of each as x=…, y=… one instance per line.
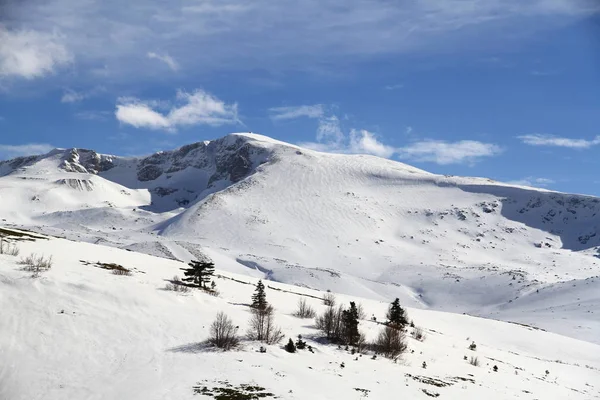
x=216, y=34
x=31, y=54
x=356, y=142
x=532, y=181
x=543, y=73
x=8, y=151
x=196, y=108
x=73, y=96
x=394, y=87
x=556, y=141
x=330, y=137
x=93, y=115
x=167, y=59
x=292, y=112
x=444, y=153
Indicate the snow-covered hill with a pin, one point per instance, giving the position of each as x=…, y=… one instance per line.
x=81, y=332
x=355, y=224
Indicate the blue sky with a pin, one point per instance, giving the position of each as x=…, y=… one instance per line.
x=498, y=88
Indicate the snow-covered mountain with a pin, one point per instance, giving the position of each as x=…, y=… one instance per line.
x=355, y=224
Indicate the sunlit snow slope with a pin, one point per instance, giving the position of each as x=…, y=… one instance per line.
x=354, y=224
x=80, y=332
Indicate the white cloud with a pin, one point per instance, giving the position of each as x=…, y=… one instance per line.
x=550, y=140
x=211, y=35
x=167, y=59
x=8, y=151
x=357, y=142
x=31, y=54
x=363, y=141
x=196, y=108
x=292, y=112
x=532, y=181
x=442, y=152
x=331, y=138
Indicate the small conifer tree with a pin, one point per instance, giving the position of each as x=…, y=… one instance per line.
x=300, y=344
x=290, y=347
x=350, y=324
x=198, y=272
x=396, y=315
x=259, y=298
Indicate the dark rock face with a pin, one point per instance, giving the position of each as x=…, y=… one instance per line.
x=162, y=192
x=21, y=161
x=225, y=159
x=149, y=173
x=86, y=161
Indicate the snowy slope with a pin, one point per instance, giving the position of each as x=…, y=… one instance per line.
x=355, y=224
x=79, y=332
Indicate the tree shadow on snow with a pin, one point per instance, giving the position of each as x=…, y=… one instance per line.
x=195, y=348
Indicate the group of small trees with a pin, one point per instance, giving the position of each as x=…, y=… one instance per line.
x=223, y=333
x=340, y=325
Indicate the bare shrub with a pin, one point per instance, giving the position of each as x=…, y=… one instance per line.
x=262, y=326
x=12, y=251
x=176, y=285
x=361, y=311
x=304, y=310
x=391, y=342
x=123, y=272
x=223, y=333
x=361, y=344
x=7, y=248
x=474, y=361
x=330, y=323
x=35, y=264
x=418, y=334
x=329, y=299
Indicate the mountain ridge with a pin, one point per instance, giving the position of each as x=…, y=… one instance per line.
x=355, y=224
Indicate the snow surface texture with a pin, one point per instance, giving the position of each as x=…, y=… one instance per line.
x=80, y=332
x=354, y=224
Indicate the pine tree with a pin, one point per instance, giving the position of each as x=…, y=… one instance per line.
x=396, y=315
x=290, y=347
x=350, y=323
x=259, y=298
x=199, y=272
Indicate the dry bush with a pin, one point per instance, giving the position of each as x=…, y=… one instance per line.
x=418, y=334
x=391, y=342
x=361, y=344
x=262, y=326
x=304, y=310
x=361, y=311
x=329, y=299
x=474, y=361
x=330, y=323
x=35, y=264
x=8, y=249
x=223, y=333
x=176, y=285
x=123, y=272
